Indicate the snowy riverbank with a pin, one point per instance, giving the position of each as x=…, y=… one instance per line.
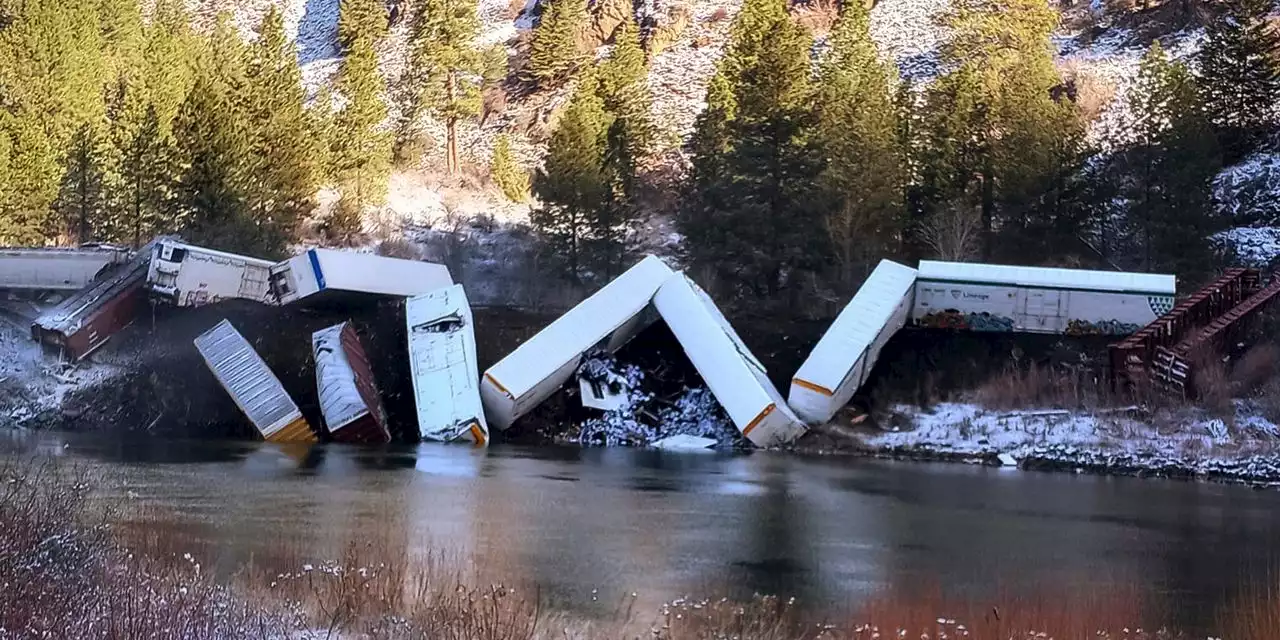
x=1131, y=441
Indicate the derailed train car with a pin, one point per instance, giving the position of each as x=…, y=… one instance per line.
x=443, y=366
x=251, y=384
x=349, y=399
x=542, y=365
x=56, y=269
x=987, y=297
x=187, y=275
x=327, y=273
x=736, y=378
x=843, y=358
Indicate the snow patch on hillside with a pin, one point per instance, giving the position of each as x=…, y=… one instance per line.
x=907, y=32
x=679, y=75
x=1199, y=445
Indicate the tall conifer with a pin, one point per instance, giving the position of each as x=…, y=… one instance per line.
x=1241, y=74
x=555, y=53
x=362, y=146
x=857, y=133
x=449, y=68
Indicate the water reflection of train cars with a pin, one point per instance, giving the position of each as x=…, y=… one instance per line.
x=988, y=297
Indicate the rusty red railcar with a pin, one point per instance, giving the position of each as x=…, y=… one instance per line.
x=349, y=399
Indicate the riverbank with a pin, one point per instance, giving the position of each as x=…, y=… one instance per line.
x=86, y=566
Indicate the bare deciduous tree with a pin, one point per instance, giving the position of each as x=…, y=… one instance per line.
x=954, y=233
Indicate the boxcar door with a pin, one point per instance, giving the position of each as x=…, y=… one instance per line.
x=1042, y=311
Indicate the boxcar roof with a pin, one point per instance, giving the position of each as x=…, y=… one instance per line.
x=1081, y=279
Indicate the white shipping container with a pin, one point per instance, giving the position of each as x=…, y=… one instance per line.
x=191, y=276
x=252, y=385
x=56, y=269
x=442, y=362
x=318, y=271
x=736, y=378
x=543, y=364
x=844, y=356
x=983, y=297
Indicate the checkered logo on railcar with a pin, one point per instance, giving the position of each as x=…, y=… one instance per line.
x=1160, y=305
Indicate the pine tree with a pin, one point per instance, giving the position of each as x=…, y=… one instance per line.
x=362, y=147
x=1240, y=74
x=992, y=131
x=750, y=211
x=82, y=200
x=858, y=133
x=625, y=90
x=1169, y=170
x=573, y=187
x=146, y=183
x=283, y=178
x=361, y=19
x=52, y=65
x=449, y=68
x=507, y=173
x=29, y=175
x=321, y=127
x=214, y=150
x=555, y=53
x=170, y=56
x=123, y=40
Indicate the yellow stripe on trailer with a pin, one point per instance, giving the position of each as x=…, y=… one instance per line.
x=477, y=434
x=296, y=431
x=488, y=376
x=755, y=422
x=800, y=382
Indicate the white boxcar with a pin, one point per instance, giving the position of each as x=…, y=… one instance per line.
x=986, y=297
x=319, y=271
x=191, y=276
x=543, y=364
x=736, y=378
x=842, y=359
x=56, y=269
x=252, y=385
x=442, y=361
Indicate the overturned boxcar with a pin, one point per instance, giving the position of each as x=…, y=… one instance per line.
x=252, y=385
x=543, y=364
x=57, y=269
x=84, y=321
x=349, y=399
x=442, y=362
x=186, y=275
x=327, y=273
x=843, y=358
x=736, y=378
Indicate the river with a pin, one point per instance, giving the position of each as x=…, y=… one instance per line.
x=590, y=527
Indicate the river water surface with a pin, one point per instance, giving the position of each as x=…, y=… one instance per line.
x=591, y=527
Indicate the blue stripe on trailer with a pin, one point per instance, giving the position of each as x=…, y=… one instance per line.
x=315, y=268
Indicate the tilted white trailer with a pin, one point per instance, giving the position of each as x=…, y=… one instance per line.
x=323, y=272
x=843, y=358
x=190, y=276
x=986, y=297
x=736, y=378
x=50, y=269
x=442, y=362
x=543, y=364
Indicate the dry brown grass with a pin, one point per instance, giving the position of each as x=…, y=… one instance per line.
x=1093, y=92
x=1041, y=387
x=669, y=30
x=818, y=16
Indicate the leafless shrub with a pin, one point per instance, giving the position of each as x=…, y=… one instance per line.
x=1212, y=385
x=493, y=102
x=1039, y=387
x=399, y=248
x=669, y=29
x=954, y=233
x=1093, y=93
x=1255, y=368
x=719, y=15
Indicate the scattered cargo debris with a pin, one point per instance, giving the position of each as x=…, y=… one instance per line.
x=733, y=374
x=841, y=361
x=52, y=269
x=185, y=275
x=84, y=321
x=442, y=361
x=328, y=272
x=1132, y=357
x=252, y=385
x=349, y=399
x=988, y=297
x=542, y=365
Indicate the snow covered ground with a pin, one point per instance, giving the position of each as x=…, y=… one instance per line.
x=907, y=32
x=32, y=381
x=1243, y=448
